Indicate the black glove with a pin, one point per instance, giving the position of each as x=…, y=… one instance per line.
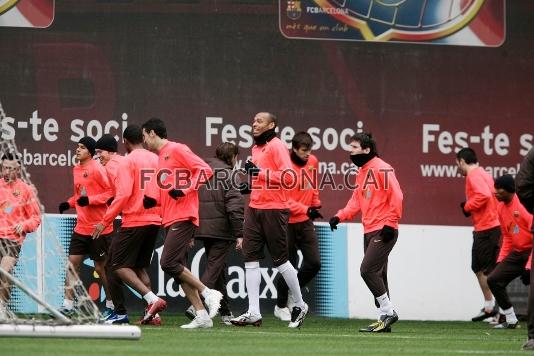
x=387, y=233
x=462, y=205
x=176, y=193
x=525, y=277
x=64, y=206
x=110, y=200
x=313, y=213
x=333, y=223
x=251, y=169
x=83, y=201
x=244, y=188
x=149, y=202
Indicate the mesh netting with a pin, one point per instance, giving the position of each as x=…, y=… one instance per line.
x=33, y=285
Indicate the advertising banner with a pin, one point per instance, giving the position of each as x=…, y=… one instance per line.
x=452, y=22
x=26, y=13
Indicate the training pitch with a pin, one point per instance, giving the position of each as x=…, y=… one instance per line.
x=318, y=335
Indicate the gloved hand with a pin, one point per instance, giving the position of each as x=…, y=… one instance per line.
x=176, y=193
x=466, y=214
x=149, y=202
x=313, y=213
x=387, y=233
x=83, y=201
x=110, y=200
x=251, y=169
x=333, y=223
x=525, y=277
x=244, y=188
x=64, y=206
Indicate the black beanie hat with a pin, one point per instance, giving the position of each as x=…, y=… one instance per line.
x=107, y=143
x=505, y=182
x=89, y=143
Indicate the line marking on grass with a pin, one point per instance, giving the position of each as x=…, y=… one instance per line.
x=356, y=335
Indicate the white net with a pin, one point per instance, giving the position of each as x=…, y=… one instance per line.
x=32, y=285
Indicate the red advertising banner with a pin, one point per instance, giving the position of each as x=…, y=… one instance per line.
x=207, y=73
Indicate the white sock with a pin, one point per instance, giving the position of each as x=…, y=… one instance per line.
x=290, y=276
x=203, y=314
x=150, y=297
x=109, y=304
x=511, y=318
x=385, y=304
x=68, y=304
x=205, y=292
x=489, y=304
x=252, y=281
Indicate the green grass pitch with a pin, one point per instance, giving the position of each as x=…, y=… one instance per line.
x=320, y=336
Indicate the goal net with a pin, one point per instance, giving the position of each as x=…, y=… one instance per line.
x=34, y=265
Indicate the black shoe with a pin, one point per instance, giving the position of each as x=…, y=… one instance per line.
x=297, y=316
x=506, y=325
x=386, y=322
x=190, y=313
x=372, y=327
x=376, y=324
x=483, y=315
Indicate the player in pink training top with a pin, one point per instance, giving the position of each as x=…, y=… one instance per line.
x=131, y=250
x=266, y=219
x=106, y=151
x=481, y=206
x=515, y=256
x=180, y=172
x=379, y=198
x=19, y=215
x=91, y=192
x=304, y=206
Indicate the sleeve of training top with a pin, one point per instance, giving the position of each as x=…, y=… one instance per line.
x=124, y=183
x=524, y=182
x=525, y=218
x=283, y=164
x=394, y=194
x=200, y=171
x=351, y=209
x=101, y=178
x=506, y=247
x=112, y=172
x=152, y=190
x=235, y=207
x=72, y=199
x=296, y=207
x=316, y=201
x=32, y=212
x=481, y=194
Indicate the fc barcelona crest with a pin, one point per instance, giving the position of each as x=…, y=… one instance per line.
x=294, y=9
